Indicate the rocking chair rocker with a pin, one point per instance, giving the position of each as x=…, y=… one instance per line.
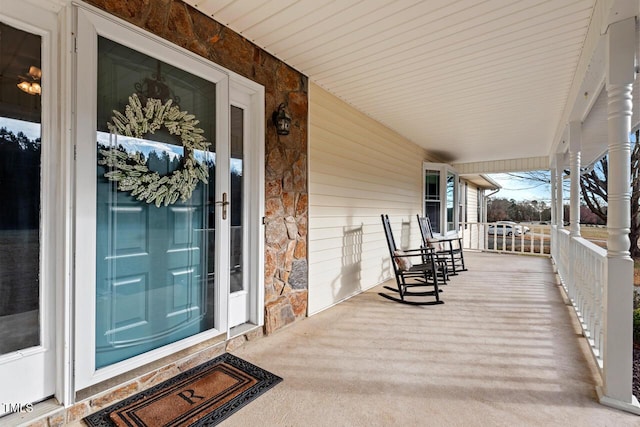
x=410, y=276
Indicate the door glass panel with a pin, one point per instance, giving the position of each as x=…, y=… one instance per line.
x=20, y=163
x=237, y=158
x=154, y=266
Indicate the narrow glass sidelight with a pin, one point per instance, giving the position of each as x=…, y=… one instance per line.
x=155, y=204
x=20, y=184
x=237, y=197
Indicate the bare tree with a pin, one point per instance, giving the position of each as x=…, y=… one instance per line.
x=594, y=192
x=593, y=186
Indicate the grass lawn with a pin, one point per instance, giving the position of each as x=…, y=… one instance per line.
x=595, y=233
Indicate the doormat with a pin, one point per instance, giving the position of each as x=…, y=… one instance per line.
x=202, y=396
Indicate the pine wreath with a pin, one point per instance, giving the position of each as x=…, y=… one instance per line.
x=131, y=172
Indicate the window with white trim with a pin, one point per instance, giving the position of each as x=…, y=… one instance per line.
x=440, y=190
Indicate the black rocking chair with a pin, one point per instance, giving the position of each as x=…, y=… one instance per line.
x=410, y=278
x=448, y=249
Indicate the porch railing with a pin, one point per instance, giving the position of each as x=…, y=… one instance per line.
x=582, y=267
x=492, y=237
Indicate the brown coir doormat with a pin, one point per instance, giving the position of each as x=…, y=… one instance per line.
x=202, y=396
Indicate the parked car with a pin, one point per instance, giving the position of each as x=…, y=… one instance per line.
x=500, y=229
x=523, y=228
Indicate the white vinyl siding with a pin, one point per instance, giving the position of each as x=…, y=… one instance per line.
x=358, y=170
x=472, y=234
x=470, y=231
x=472, y=203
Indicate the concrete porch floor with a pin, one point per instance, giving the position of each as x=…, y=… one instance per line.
x=504, y=350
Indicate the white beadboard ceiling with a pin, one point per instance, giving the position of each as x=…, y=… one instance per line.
x=470, y=80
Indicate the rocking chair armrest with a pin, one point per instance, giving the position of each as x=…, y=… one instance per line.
x=446, y=239
x=420, y=251
x=447, y=244
x=416, y=252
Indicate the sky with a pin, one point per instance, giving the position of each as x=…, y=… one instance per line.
x=31, y=130
x=521, y=190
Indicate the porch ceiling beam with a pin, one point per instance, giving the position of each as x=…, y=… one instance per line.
x=500, y=166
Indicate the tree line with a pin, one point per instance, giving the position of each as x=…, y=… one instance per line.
x=502, y=209
x=19, y=181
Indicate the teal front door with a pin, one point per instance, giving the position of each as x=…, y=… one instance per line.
x=155, y=241
x=168, y=181
x=151, y=286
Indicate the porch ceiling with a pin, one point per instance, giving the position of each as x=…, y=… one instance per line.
x=469, y=80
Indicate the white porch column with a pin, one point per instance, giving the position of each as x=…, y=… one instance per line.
x=575, y=144
x=559, y=196
x=618, y=294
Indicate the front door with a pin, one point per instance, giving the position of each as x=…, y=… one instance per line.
x=169, y=200
x=27, y=319
x=152, y=284
x=153, y=201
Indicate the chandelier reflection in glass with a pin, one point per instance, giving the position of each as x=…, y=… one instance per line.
x=155, y=87
x=31, y=84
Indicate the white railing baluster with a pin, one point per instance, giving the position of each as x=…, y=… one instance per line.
x=476, y=236
x=586, y=288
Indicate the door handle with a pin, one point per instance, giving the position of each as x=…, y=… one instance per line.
x=224, y=203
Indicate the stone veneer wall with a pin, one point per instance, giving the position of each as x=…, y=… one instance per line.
x=286, y=268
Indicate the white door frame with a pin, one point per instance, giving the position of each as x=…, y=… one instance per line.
x=247, y=94
x=32, y=373
x=90, y=25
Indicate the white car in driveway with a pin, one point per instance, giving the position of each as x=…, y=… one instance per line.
x=503, y=228
x=523, y=228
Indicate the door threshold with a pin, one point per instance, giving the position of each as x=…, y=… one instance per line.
x=241, y=329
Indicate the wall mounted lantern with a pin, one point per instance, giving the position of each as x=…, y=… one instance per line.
x=282, y=120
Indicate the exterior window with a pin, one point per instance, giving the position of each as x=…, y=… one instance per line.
x=432, y=198
x=441, y=197
x=20, y=174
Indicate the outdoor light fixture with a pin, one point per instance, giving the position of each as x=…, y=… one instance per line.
x=282, y=120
